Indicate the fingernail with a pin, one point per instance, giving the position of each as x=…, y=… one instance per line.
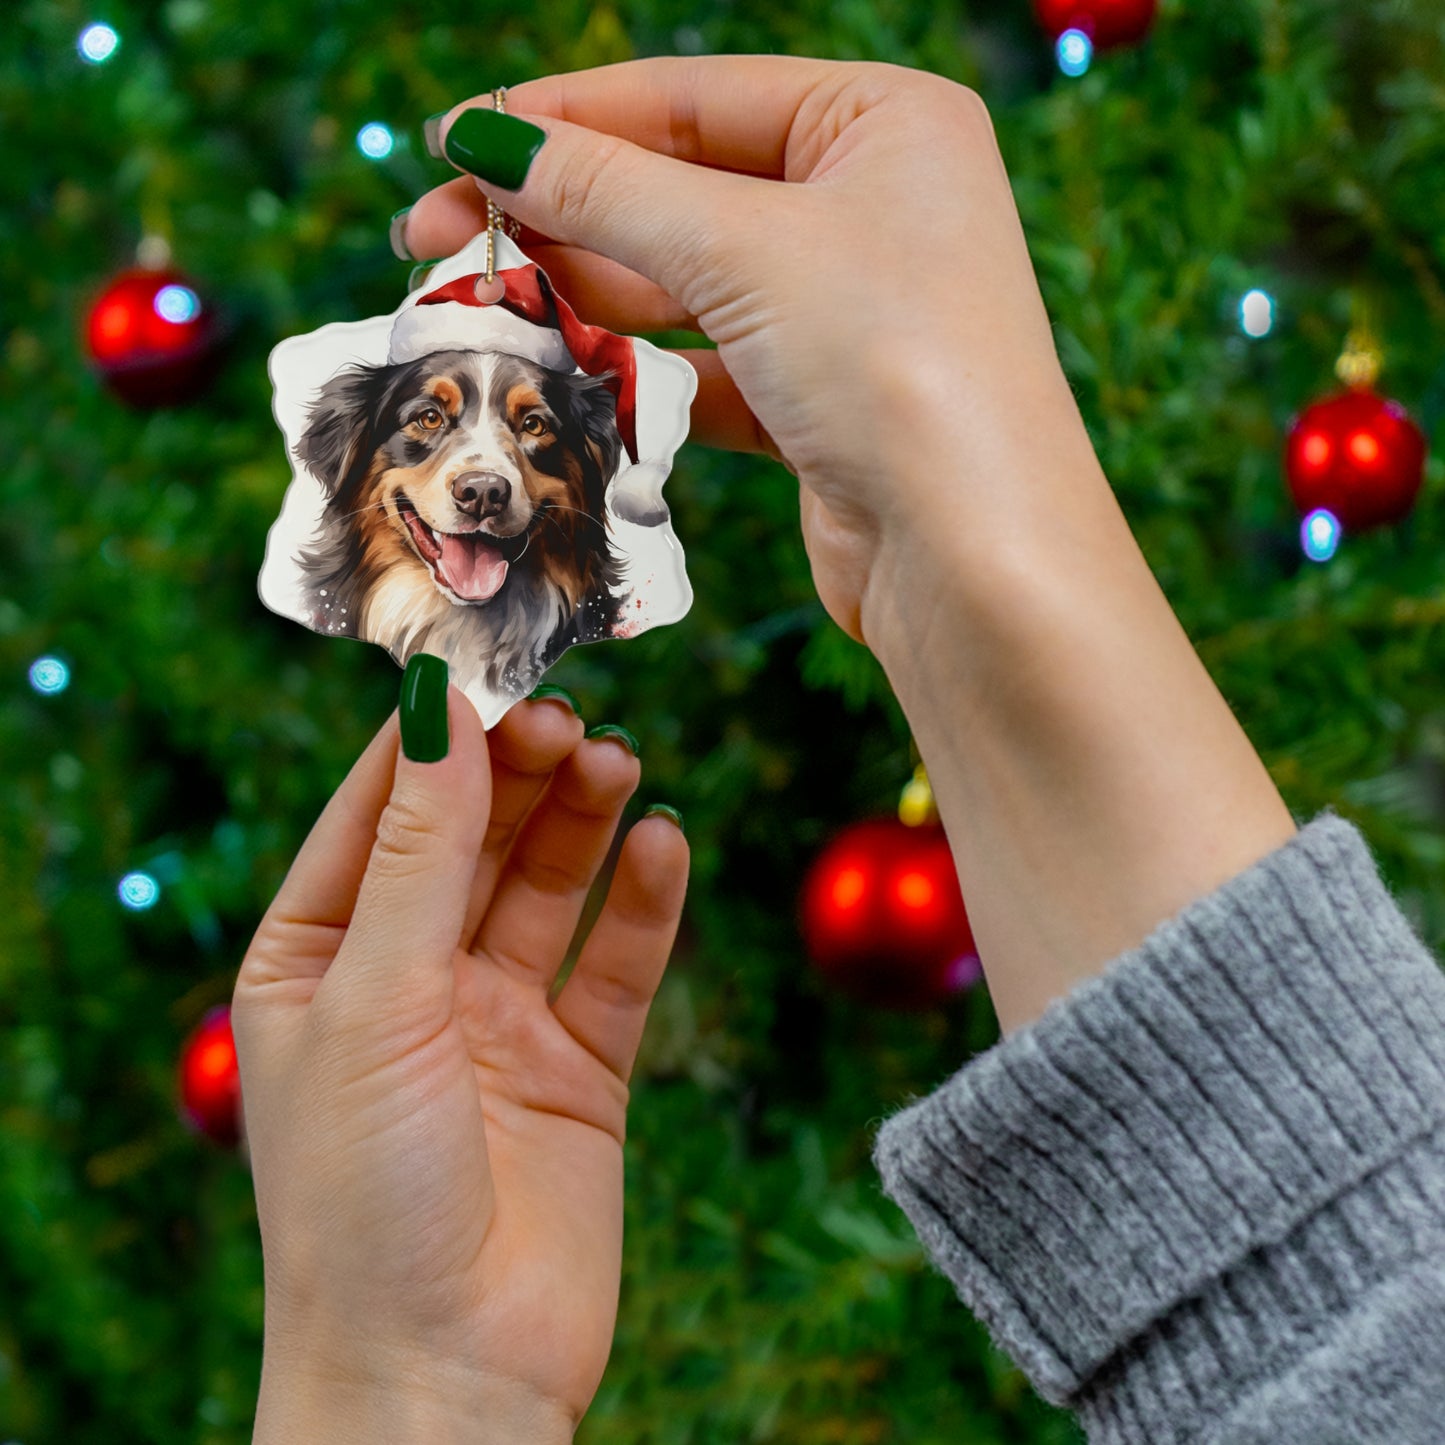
x=397, y=234
x=548, y=689
x=498, y=148
x=611, y=730
x=424, y=736
x=431, y=133
x=667, y=812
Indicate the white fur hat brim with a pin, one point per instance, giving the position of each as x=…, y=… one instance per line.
x=451, y=326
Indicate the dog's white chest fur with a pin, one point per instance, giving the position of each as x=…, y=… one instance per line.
x=406, y=611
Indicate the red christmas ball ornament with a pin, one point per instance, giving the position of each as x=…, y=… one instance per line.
x=210, y=1080
x=1107, y=23
x=883, y=917
x=153, y=339
x=1359, y=456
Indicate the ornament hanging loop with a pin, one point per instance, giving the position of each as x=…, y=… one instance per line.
x=916, y=806
x=1360, y=362
x=497, y=220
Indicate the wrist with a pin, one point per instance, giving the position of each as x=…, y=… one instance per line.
x=950, y=573
x=1092, y=779
x=998, y=469
x=322, y=1402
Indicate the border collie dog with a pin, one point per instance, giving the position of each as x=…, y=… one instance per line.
x=465, y=512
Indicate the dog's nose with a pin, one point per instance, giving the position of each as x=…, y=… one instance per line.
x=481, y=494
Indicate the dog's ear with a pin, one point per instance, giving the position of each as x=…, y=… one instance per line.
x=594, y=408
x=340, y=425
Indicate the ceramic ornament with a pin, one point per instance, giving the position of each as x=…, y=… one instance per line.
x=478, y=478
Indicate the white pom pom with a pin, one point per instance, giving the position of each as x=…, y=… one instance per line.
x=637, y=495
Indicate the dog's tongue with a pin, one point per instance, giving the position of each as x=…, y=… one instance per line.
x=473, y=570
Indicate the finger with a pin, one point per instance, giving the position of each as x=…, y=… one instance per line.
x=604, y=293
x=543, y=887
x=443, y=220
x=606, y=998
x=720, y=417
x=396, y=960
x=738, y=112
x=300, y=931
x=659, y=217
x=600, y=291
x=526, y=746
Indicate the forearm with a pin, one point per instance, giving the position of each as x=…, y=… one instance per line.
x=1091, y=778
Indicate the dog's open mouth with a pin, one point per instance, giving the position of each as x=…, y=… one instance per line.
x=471, y=565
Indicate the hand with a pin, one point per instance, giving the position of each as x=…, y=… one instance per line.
x=878, y=324
x=437, y=1150
x=847, y=236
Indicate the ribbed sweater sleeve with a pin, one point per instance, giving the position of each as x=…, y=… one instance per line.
x=1202, y=1198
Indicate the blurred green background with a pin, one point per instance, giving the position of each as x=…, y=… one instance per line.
x=770, y=1293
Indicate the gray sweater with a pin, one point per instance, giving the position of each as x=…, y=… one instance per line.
x=1202, y=1199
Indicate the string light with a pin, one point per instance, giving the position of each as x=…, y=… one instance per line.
x=138, y=891
x=375, y=141
x=177, y=304
x=49, y=675
x=1256, y=313
x=1320, y=535
x=1075, y=52
x=97, y=43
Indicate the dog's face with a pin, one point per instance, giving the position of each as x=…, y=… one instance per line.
x=464, y=457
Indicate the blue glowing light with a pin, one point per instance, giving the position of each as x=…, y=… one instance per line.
x=375, y=140
x=97, y=44
x=138, y=891
x=1075, y=51
x=1320, y=535
x=177, y=304
x=1256, y=313
x=49, y=675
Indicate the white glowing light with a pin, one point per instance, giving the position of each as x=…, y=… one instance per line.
x=1256, y=313
x=1075, y=51
x=1320, y=535
x=375, y=140
x=138, y=891
x=49, y=675
x=177, y=304
x=97, y=44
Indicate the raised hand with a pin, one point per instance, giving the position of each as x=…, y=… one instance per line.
x=437, y=1148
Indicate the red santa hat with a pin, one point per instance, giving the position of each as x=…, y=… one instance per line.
x=530, y=320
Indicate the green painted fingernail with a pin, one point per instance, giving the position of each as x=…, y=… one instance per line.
x=666, y=812
x=397, y=235
x=498, y=148
x=547, y=689
x=424, y=735
x=431, y=133
x=611, y=730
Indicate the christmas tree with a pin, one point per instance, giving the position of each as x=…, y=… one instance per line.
x=1212, y=210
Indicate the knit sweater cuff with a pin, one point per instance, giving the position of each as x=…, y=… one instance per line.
x=1097, y=1174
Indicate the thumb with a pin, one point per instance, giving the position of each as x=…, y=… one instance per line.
x=413, y=898
x=663, y=218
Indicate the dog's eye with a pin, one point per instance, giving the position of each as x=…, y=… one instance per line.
x=430, y=419
x=534, y=425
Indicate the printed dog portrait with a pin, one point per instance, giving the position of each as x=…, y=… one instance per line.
x=466, y=510
x=468, y=480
